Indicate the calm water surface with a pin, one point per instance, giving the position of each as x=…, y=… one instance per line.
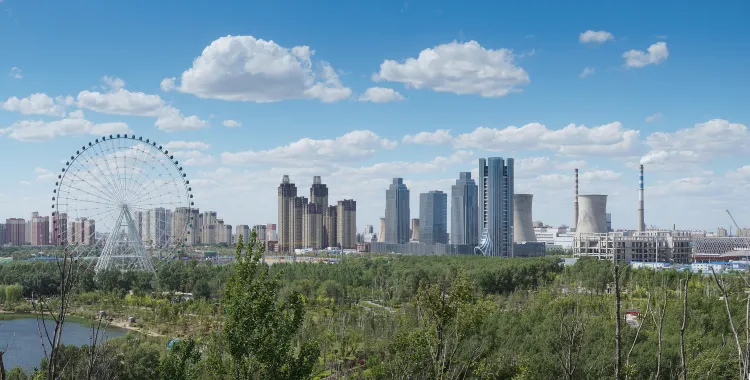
x=25, y=347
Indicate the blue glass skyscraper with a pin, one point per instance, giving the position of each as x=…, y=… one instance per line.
x=495, y=207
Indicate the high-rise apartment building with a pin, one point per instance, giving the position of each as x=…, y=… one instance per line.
x=496, y=206
x=347, y=224
x=15, y=231
x=433, y=217
x=244, y=231
x=209, y=229
x=271, y=233
x=3, y=241
x=160, y=227
x=59, y=228
x=287, y=193
x=464, y=210
x=223, y=232
x=82, y=231
x=261, y=230
x=397, y=213
x=331, y=222
x=312, y=226
x=185, y=225
x=319, y=192
x=297, y=209
x=39, y=230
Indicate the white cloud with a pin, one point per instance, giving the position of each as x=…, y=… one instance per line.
x=354, y=145
x=25, y=183
x=35, y=130
x=119, y=101
x=656, y=54
x=381, y=95
x=466, y=68
x=609, y=139
x=112, y=83
x=232, y=123
x=193, y=157
x=243, y=68
x=16, y=73
x=530, y=165
x=39, y=104
x=44, y=174
x=586, y=72
x=595, y=37
x=387, y=170
x=714, y=137
x=173, y=120
x=441, y=136
x=191, y=145
x=655, y=117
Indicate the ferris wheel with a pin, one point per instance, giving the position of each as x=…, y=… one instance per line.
x=122, y=202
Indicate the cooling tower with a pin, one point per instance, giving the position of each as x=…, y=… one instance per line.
x=592, y=214
x=381, y=235
x=523, y=227
x=414, y=230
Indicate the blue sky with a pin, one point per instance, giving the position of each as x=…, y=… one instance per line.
x=681, y=106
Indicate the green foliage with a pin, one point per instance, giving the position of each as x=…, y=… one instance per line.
x=259, y=329
x=13, y=293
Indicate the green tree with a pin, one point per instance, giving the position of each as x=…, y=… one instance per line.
x=260, y=329
x=13, y=293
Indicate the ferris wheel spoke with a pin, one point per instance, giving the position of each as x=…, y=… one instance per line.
x=98, y=178
x=106, y=200
x=136, y=169
x=116, y=148
x=108, y=178
x=149, y=178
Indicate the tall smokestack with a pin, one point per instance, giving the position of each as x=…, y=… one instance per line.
x=575, y=203
x=641, y=223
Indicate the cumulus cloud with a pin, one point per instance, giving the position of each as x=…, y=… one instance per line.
x=190, y=145
x=381, y=95
x=355, y=145
x=441, y=136
x=232, y=123
x=244, y=68
x=39, y=104
x=193, y=157
x=609, y=139
x=586, y=72
x=387, y=170
x=709, y=139
x=36, y=130
x=595, y=37
x=652, y=118
x=530, y=165
x=119, y=101
x=112, y=83
x=466, y=68
x=654, y=55
x=15, y=73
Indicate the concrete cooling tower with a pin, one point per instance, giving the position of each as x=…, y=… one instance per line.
x=523, y=227
x=414, y=230
x=381, y=235
x=592, y=214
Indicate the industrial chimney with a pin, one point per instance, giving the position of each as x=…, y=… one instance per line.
x=575, y=203
x=523, y=227
x=641, y=222
x=593, y=214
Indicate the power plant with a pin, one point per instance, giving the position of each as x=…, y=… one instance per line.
x=592, y=214
x=523, y=227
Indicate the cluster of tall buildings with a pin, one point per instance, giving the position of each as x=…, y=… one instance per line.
x=481, y=214
x=311, y=223
x=44, y=230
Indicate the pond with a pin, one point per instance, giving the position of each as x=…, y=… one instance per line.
x=23, y=337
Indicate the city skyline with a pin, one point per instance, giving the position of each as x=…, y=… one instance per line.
x=359, y=108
